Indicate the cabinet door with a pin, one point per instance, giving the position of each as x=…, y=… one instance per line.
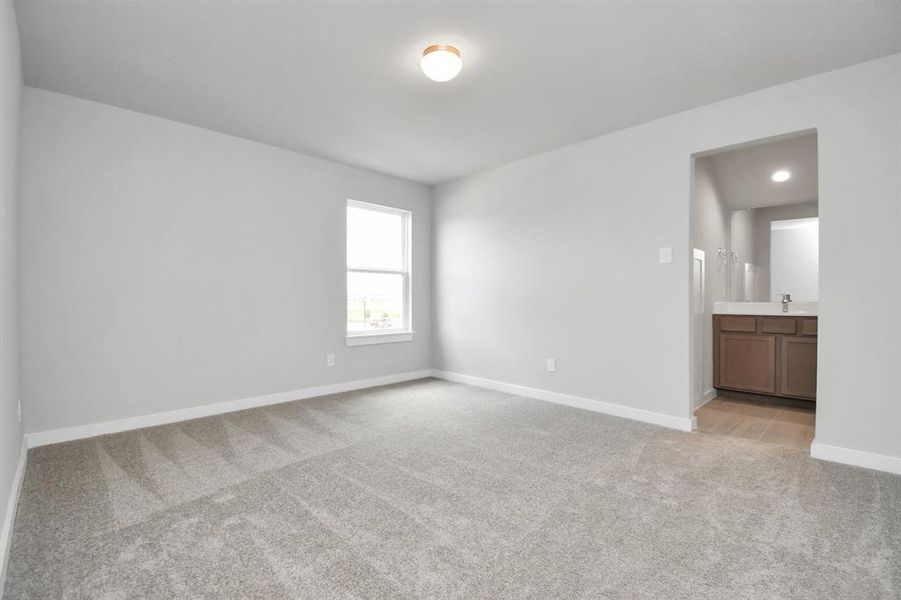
x=798, y=367
x=748, y=362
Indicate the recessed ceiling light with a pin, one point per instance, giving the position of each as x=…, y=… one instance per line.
x=780, y=176
x=440, y=62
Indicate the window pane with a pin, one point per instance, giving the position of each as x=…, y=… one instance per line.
x=375, y=239
x=375, y=301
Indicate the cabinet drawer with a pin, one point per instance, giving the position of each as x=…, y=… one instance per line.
x=738, y=323
x=778, y=325
x=808, y=326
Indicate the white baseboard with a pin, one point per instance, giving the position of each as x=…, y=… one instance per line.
x=705, y=398
x=858, y=458
x=55, y=436
x=9, y=519
x=617, y=410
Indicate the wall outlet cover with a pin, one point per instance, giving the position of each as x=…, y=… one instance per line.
x=552, y=365
x=329, y=360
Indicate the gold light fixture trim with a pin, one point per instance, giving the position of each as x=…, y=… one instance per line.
x=441, y=48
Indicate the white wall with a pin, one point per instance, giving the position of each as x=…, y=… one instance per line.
x=556, y=255
x=710, y=231
x=10, y=429
x=741, y=241
x=166, y=266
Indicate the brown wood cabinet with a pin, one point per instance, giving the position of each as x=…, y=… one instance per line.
x=771, y=355
x=748, y=362
x=798, y=367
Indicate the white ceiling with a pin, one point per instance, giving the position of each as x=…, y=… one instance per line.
x=743, y=175
x=341, y=80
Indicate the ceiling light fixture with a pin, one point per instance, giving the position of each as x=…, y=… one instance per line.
x=440, y=62
x=780, y=176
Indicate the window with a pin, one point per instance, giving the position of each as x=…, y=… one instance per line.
x=378, y=274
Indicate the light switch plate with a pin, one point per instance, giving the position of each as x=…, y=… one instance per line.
x=666, y=256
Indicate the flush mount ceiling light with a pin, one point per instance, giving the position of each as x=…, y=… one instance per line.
x=780, y=176
x=440, y=62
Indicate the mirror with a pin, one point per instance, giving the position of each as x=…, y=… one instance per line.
x=773, y=251
x=755, y=216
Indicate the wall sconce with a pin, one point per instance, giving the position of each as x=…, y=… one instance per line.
x=722, y=256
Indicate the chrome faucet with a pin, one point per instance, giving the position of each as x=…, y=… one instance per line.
x=786, y=298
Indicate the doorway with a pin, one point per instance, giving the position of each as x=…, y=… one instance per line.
x=754, y=300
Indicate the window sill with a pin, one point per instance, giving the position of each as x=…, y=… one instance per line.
x=366, y=339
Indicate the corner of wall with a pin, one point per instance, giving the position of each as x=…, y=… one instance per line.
x=9, y=515
x=435, y=345
x=12, y=445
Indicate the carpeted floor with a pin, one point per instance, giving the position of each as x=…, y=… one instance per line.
x=434, y=489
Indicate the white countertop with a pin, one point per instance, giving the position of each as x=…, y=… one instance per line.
x=795, y=309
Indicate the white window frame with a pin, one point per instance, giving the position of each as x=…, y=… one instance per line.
x=365, y=338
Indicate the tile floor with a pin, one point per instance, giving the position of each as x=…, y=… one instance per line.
x=782, y=425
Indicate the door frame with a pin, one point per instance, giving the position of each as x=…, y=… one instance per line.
x=696, y=338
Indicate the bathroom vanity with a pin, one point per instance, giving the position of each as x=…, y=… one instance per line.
x=761, y=350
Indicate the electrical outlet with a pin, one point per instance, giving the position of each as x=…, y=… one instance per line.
x=552, y=365
x=329, y=360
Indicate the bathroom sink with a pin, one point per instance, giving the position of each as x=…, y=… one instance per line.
x=795, y=309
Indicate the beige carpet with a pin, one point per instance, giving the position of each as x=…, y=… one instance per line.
x=438, y=490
